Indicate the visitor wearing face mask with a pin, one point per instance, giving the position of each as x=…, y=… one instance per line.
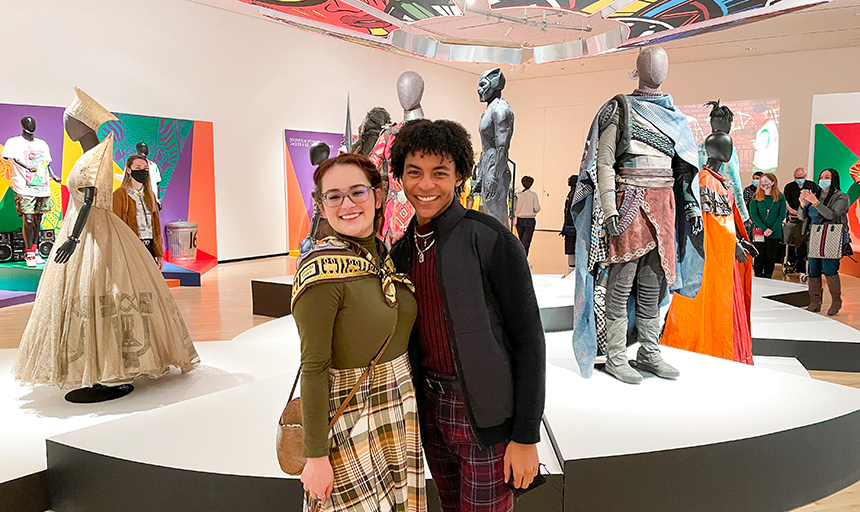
x=749, y=192
x=134, y=203
x=767, y=211
x=831, y=208
x=796, y=246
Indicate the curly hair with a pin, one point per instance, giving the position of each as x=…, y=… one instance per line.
x=442, y=138
x=362, y=162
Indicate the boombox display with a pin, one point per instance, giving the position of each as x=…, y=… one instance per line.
x=12, y=245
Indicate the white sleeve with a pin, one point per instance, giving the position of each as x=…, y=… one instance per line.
x=47, y=152
x=11, y=150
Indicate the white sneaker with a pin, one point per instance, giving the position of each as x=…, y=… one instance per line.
x=30, y=259
x=39, y=259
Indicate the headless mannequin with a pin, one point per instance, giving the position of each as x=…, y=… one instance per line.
x=643, y=168
x=32, y=221
x=496, y=128
x=79, y=132
x=719, y=145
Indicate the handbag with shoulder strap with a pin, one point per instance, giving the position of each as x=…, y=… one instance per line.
x=825, y=241
x=291, y=433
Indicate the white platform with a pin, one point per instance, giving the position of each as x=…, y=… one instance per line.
x=775, y=320
x=220, y=418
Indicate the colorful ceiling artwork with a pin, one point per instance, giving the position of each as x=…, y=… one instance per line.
x=518, y=32
x=647, y=17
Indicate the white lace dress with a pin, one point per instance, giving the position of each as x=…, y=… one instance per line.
x=105, y=316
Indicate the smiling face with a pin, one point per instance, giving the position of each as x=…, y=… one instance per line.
x=429, y=182
x=354, y=216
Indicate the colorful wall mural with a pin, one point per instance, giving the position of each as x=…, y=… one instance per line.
x=300, y=181
x=183, y=150
x=837, y=146
x=755, y=128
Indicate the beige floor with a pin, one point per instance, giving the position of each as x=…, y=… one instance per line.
x=221, y=309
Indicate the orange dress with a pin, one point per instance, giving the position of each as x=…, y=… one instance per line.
x=717, y=321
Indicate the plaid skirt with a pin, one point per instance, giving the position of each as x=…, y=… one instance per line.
x=376, y=444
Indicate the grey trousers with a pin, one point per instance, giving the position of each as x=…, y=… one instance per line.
x=648, y=276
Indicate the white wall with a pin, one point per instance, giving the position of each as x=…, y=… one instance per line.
x=793, y=78
x=832, y=108
x=251, y=77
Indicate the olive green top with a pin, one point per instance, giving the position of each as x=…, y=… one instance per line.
x=343, y=325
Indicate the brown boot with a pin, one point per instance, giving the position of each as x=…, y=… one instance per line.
x=835, y=287
x=814, y=294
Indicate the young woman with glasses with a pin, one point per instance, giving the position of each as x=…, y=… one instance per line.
x=347, y=300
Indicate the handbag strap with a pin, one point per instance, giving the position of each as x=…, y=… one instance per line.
x=364, y=375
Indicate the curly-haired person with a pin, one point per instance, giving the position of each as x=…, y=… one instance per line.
x=477, y=347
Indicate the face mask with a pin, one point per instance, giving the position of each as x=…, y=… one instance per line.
x=767, y=187
x=824, y=184
x=755, y=183
x=140, y=176
x=800, y=181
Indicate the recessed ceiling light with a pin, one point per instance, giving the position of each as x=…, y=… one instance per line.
x=750, y=48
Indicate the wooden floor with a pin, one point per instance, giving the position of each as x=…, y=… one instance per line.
x=221, y=308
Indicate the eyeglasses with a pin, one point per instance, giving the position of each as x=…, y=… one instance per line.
x=358, y=194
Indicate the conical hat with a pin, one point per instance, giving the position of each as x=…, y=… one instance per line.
x=88, y=111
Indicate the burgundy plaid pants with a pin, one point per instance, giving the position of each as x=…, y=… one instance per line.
x=470, y=476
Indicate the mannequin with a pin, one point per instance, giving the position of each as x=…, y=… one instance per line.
x=154, y=171
x=369, y=130
x=31, y=161
x=319, y=152
x=717, y=321
x=496, y=128
x=398, y=211
x=721, y=118
x=639, y=164
x=103, y=314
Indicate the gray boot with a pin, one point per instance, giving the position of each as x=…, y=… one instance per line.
x=835, y=287
x=649, y=358
x=616, y=352
x=814, y=294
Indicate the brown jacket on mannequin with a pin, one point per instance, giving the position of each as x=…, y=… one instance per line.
x=126, y=209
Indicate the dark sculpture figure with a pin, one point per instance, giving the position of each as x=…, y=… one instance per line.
x=640, y=163
x=371, y=127
x=319, y=152
x=496, y=129
x=154, y=172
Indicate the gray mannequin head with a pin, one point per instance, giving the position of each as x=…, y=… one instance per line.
x=718, y=145
x=491, y=84
x=410, y=90
x=28, y=124
x=652, y=65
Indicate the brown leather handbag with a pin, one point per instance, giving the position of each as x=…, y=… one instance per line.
x=290, y=430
